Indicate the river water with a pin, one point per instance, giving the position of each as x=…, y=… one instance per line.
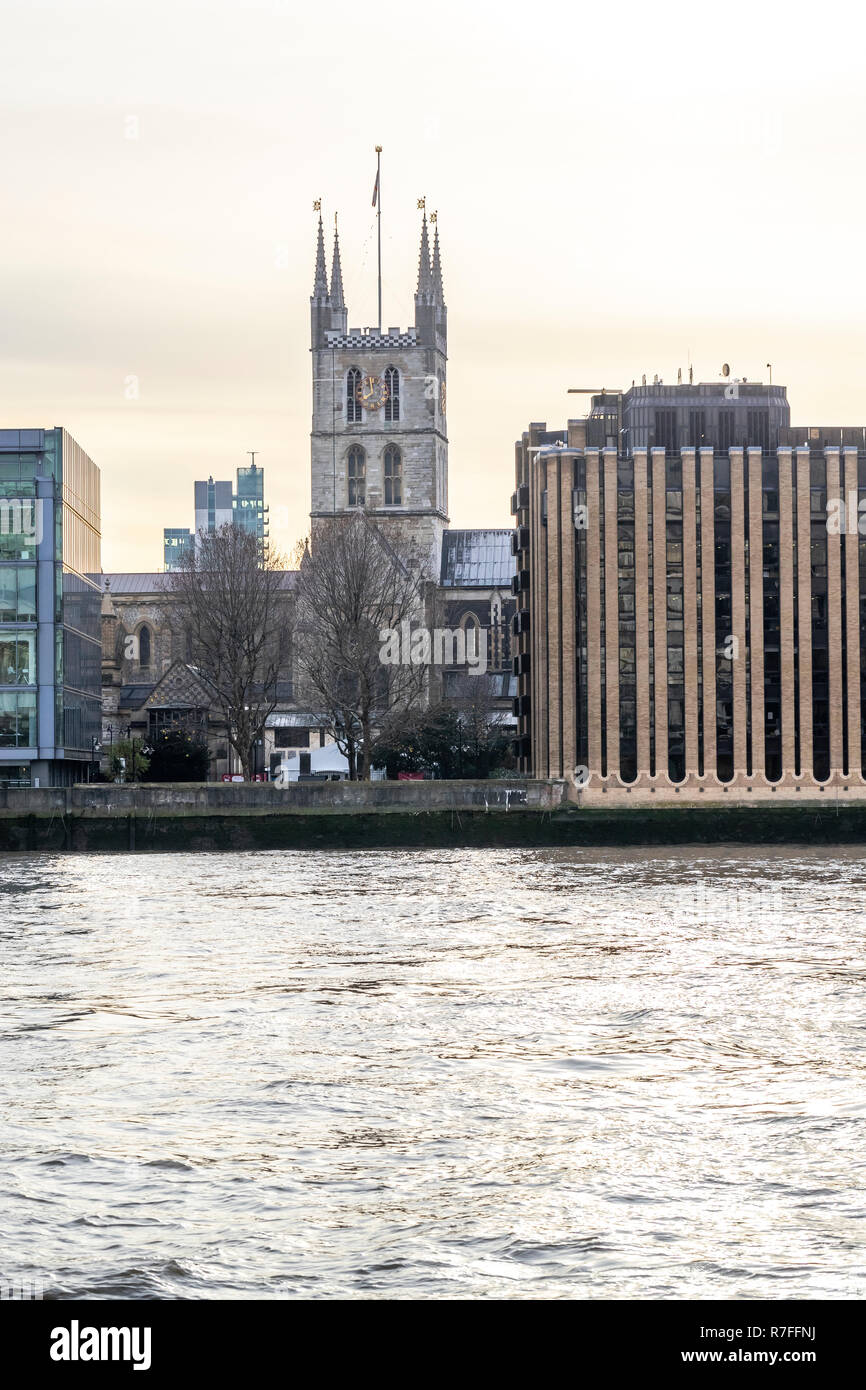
x=458, y=1074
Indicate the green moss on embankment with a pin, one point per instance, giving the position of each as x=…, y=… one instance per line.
x=810, y=822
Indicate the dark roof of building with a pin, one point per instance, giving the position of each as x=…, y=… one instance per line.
x=476, y=559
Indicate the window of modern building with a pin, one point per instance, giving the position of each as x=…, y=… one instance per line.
x=726, y=429
x=17, y=719
x=357, y=476
x=392, y=404
x=18, y=594
x=353, y=405
x=393, y=477
x=697, y=428
x=17, y=657
x=666, y=430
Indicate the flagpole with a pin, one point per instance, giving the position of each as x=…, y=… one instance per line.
x=379, y=224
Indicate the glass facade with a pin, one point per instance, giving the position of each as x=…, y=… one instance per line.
x=176, y=544
x=50, y=599
x=250, y=512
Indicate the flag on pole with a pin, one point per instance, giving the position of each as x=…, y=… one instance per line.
x=376, y=189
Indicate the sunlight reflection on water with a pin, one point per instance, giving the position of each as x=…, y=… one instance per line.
x=485, y=1073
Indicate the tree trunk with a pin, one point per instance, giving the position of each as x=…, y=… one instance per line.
x=366, y=760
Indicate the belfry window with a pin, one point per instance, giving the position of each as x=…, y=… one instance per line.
x=353, y=405
x=357, y=472
x=393, y=477
x=392, y=404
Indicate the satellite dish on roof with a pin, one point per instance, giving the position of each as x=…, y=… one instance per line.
x=726, y=371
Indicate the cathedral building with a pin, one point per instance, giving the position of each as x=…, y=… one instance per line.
x=379, y=442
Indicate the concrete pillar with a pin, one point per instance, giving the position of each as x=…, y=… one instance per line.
x=738, y=607
x=690, y=610
x=641, y=609
x=593, y=612
x=756, y=611
x=786, y=607
x=804, y=609
x=660, y=612
x=611, y=611
x=834, y=615
x=852, y=621
x=708, y=609
x=554, y=617
x=569, y=643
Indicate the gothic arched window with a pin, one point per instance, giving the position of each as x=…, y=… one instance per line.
x=144, y=646
x=392, y=404
x=357, y=474
x=353, y=405
x=393, y=477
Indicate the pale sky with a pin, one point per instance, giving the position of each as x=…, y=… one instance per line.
x=621, y=188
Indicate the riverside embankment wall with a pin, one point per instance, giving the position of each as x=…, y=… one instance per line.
x=409, y=815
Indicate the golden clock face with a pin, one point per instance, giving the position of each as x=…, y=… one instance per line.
x=442, y=397
x=372, y=392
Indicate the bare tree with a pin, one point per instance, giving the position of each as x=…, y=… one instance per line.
x=235, y=609
x=484, y=731
x=357, y=583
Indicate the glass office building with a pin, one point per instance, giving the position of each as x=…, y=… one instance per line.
x=50, y=643
x=218, y=504
x=176, y=545
x=250, y=512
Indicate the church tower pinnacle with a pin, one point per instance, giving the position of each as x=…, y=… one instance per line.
x=436, y=270
x=339, y=312
x=425, y=283
x=430, y=312
x=320, y=299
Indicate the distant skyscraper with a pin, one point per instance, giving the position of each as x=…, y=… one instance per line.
x=250, y=511
x=217, y=504
x=176, y=543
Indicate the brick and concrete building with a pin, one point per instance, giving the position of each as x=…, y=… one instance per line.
x=689, y=578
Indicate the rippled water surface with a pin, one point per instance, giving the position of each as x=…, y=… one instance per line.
x=486, y=1073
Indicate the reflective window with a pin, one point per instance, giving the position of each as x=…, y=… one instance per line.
x=17, y=657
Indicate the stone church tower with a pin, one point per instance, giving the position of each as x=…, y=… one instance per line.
x=379, y=436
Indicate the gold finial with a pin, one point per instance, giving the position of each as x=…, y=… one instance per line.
x=422, y=202
x=317, y=205
x=433, y=217
x=378, y=149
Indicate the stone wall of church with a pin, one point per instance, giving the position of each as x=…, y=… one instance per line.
x=419, y=433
